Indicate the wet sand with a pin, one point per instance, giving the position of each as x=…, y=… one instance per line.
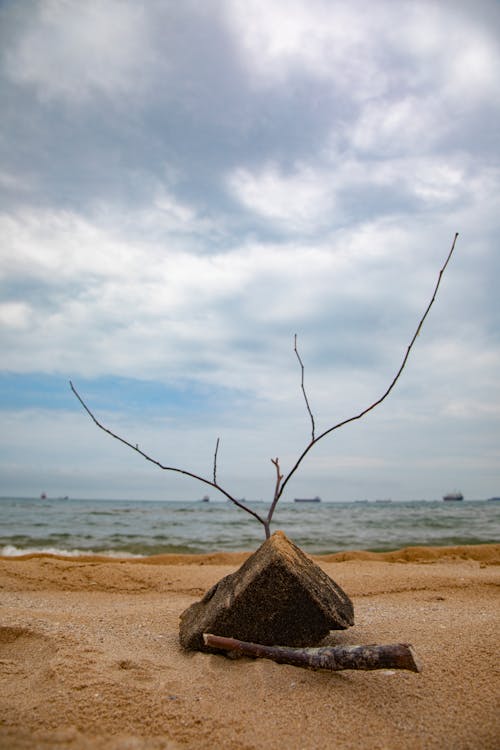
x=90, y=658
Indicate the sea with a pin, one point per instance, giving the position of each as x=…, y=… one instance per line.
x=143, y=527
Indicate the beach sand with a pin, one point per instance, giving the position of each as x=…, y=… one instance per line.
x=90, y=658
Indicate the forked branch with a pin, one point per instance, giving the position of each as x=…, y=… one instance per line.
x=212, y=483
x=281, y=481
x=276, y=496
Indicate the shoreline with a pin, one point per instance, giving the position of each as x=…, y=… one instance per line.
x=90, y=658
x=487, y=553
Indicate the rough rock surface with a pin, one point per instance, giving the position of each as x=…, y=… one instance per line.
x=279, y=596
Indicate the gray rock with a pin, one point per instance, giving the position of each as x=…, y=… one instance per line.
x=279, y=596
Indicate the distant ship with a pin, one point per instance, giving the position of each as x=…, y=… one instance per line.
x=205, y=499
x=494, y=499
x=307, y=499
x=453, y=497
x=43, y=496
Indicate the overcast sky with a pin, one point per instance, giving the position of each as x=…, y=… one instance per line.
x=186, y=185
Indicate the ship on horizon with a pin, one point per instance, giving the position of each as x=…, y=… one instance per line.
x=307, y=499
x=453, y=497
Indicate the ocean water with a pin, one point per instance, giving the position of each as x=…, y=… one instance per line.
x=125, y=527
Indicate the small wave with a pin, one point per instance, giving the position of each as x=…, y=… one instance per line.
x=10, y=550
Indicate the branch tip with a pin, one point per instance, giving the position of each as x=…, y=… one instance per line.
x=361, y=414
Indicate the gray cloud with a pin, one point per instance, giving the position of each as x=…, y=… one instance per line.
x=184, y=188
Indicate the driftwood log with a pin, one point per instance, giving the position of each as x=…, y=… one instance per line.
x=332, y=658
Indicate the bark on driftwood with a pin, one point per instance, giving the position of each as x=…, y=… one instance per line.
x=333, y=658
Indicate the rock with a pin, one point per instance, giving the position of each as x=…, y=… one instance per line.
x=279, y=596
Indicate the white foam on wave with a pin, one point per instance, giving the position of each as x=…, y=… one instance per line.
x=9, y=550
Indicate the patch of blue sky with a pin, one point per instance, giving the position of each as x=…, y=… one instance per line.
x=110, y=393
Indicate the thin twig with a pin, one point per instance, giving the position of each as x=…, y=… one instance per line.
x=215, y=460
x=279, y=476
x=302, y=386
x=167, y=468
x=276, y=497
x=388, y=390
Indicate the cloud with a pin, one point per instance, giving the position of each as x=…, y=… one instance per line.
x=300, y=201
x=86, y=298
x=409, y=123
x=353, y=48
x=185, y=186
x=332, y=41
x=15, y=315
x=14, y=182
x=72, y=51
x=311, y=199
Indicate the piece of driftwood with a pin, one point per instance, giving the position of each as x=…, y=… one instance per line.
x=333, y=658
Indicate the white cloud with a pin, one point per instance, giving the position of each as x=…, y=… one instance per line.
x=15, y=315
x=469, y=409
x=473, y=73
x=316, y=198
x=408, y=123
x=173, y=210
x=301, y=200
x=351, y=46
x=455, y=53
x=72, y=50
x=433, y=180
x=97, y=301
x=333, y=41
x=59, y=246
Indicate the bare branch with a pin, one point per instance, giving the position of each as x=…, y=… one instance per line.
x=281, y=482
x=388, y=390
x=136, y=448
x=302, y=386
x=215, y=460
